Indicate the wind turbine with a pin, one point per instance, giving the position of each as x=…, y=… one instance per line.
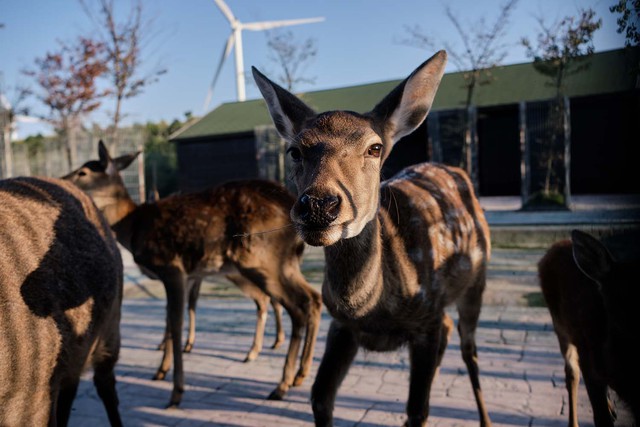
x=236, y=38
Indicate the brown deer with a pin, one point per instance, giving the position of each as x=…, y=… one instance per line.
x=60, y=298
x=179, y=239
x=593, y=305
x=398, y=252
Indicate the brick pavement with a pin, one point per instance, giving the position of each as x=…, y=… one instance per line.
x=522, y=373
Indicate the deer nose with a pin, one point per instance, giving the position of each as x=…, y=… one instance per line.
x=318, y=211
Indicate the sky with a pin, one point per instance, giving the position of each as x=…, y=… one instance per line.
x=358, y=43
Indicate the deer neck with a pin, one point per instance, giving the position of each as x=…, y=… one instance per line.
x=353, y=284
x=117, y=209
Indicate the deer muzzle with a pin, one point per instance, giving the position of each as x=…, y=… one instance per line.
x=317, y=212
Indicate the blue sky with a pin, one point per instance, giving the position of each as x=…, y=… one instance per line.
x=357, y=42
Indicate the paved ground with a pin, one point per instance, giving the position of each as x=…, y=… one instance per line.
x=521, y=370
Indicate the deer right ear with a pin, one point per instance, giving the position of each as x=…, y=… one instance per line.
x=590, y=255
x=287, y=111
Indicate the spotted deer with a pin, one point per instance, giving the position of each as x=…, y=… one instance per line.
x=593, y=305
x=244, y=225
x=397, y=252
x=60, y=297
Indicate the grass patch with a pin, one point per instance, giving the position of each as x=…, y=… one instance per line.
x=535, y=299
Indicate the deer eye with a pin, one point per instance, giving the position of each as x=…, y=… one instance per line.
x=81, y=173
x=374, y=150
x=295, y=153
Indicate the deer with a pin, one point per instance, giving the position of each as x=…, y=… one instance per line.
x=396, y=252
x=238, y=225
x=592, y=303
x=60, y=301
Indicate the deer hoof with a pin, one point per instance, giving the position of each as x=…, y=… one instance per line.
x=299, y=379
x=278, y=342
x=251, y=356
x=277, y=394
x=160, y=375
x=188, y=348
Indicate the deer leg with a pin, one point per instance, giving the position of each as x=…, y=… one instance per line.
x=174, y=282
x=166, y=347
x=571, y=376
x=445, y=336
x=163, y=343
x=425, y=355
x=253, y=291
x=313, y=311
x=297, y=324
x=194, y=293
x=104, y=378
x=65, y=401
x=597, y=391
x=277, y=311
x=469, y=312
x=341, y=349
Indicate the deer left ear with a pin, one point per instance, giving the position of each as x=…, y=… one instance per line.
x=591, y=256
x=287, y=111
x=406, y=106
x=124, y=161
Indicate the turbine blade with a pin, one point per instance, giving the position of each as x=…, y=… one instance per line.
x=225, y=10
x=267, y=25
x=225, y=53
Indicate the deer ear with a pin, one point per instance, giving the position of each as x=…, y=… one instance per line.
x=124, y=161
x=103, y=155
x=406, y=106
x=591, y=256
x=287, y=111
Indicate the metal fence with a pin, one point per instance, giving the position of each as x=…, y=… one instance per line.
x=50, y=158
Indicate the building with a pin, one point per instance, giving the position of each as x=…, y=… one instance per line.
x=236, y=139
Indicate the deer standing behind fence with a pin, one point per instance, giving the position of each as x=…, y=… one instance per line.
x=60, y=297
x=396, y=253
x=594, y=307
x=244, y=224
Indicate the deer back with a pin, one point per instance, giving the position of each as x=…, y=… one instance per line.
x=203, y=230
x=60, y=286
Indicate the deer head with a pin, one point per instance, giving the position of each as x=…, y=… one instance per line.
x=338, y=155
x=102, y=181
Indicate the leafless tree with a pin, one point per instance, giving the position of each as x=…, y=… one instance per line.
x=123, y=43
x=291, y=56
x=483, y=48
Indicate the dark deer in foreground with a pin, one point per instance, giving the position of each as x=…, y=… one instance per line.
x=244, y=224
x=60, y=296
x=396, y=253
x=594, y=307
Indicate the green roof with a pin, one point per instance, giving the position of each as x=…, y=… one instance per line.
x=608, y=72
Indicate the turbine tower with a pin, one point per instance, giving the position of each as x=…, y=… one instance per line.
x=236, y=38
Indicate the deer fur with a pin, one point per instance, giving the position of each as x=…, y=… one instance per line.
x=592, y=303
x=398, y=252
x=243, y=224
x=60, y=297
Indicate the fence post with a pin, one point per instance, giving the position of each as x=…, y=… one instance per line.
x=7, y=165
x=525, y=157
x=567, y=151
x=433, y=125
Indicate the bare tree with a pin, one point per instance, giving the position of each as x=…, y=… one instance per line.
x=483, y=48
x=123, y=42
x=291, y=56
x=67, y=86
x=561, y=51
